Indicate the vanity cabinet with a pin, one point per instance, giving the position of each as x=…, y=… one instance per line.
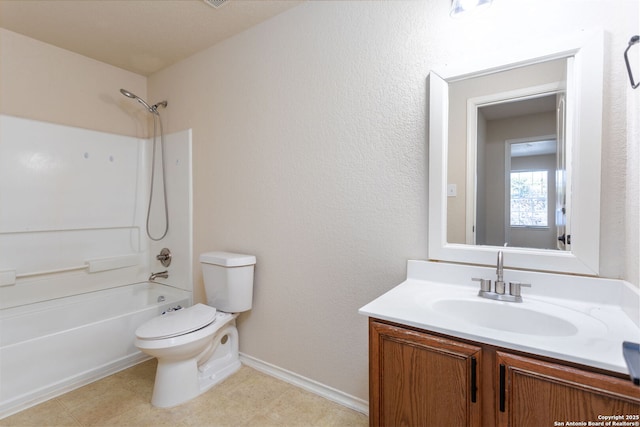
x=418, y=378
x=532, y=393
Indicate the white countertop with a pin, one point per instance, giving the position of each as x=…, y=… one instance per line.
x=604, y=311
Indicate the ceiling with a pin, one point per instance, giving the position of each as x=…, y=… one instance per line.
x=519, y=107
x=142, y=36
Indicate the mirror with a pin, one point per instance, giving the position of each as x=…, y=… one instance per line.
x=521, y=107
x=514, y=160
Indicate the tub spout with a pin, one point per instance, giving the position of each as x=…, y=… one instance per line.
x=154, y=276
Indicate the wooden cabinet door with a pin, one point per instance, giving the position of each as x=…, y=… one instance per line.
x=417, y=379
x=535, y=393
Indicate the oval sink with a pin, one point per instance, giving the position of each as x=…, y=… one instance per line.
x=505, y=316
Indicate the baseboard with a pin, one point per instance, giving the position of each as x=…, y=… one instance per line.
x=315, y=387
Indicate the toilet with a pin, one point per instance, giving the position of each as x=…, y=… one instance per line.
x=197, y=347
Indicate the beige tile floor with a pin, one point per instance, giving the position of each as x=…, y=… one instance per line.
x=247, y=398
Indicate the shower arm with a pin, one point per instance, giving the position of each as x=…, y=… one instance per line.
x=150, y=108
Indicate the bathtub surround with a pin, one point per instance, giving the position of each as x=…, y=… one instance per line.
x=69, y=196
x=179, y=239
x=73, y=208
x=309, y=141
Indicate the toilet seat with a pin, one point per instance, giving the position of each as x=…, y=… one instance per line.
x=177, y=323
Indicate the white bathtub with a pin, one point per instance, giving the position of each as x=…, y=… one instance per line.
x=51, y=347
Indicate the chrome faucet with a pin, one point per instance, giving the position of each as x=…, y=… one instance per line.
x=499, y=294
x=499, y=284
x=164, y=274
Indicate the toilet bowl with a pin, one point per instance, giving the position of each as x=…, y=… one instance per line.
x=197, y=347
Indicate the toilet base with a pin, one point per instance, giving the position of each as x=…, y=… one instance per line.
x=175, y=383
x=224, y=362
x=180, y=381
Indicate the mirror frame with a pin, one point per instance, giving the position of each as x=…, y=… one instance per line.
x=585, y=78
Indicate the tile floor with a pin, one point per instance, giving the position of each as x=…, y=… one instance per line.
x=248, y=398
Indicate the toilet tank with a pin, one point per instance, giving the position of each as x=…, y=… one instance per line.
x=228, y=280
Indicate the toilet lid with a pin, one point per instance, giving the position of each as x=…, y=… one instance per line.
x=179, y=322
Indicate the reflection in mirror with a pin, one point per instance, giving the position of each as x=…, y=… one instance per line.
x=516, y=203
x=522, y=104
x=531, y=190
x=514, y=159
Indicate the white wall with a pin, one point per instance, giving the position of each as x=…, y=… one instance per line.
x=309, y=135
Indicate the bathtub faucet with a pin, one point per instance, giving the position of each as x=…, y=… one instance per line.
x=153, y=276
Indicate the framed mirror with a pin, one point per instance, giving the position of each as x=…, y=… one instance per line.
x=514, y=160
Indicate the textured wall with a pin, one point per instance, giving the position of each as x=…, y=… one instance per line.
x=632, y=208
x=43, y=82
x=309, y=139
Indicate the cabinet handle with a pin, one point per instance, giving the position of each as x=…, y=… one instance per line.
x=474, y=387
x=503, y=379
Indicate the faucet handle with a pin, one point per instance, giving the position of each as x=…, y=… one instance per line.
x=164, y=257
x=485, y=284
x=515, y=287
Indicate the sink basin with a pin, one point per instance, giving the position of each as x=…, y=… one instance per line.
x=505, y=316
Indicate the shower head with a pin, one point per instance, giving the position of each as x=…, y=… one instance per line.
x=151, y=108
x=127, y=93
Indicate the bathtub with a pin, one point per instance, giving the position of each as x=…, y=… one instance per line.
x=51, y=347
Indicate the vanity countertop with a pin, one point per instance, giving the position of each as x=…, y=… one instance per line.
x=599, y=314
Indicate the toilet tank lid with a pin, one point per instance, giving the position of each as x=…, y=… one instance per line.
x=227, y=259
